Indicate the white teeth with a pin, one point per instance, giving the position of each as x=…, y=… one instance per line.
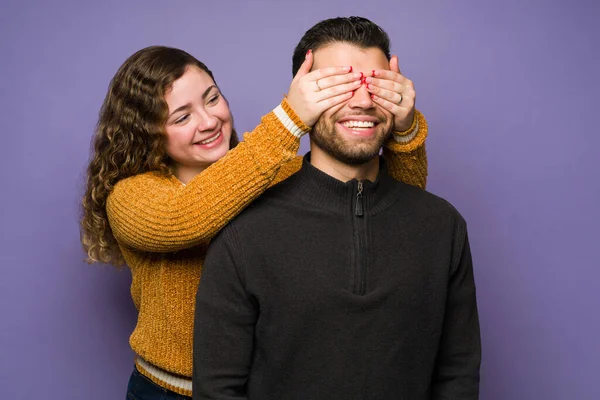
x=212, y=139
x=358, y=124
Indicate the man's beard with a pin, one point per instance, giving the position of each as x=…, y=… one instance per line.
x=352, y=152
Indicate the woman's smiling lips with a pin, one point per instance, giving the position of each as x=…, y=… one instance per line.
x=212, y=141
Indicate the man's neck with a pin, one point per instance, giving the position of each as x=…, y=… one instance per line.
x=341, y=171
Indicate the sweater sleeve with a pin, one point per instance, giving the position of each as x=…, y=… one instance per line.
x=456, y=374
x=225, y=319
x=405, y=153
x=150, y=213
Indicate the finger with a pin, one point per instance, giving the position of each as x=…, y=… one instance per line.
x=405, y=100
x=306, y=65
x=385, y=84
x=335, y=101
x=338, y=89
x=394, y=66
x=328, y=71
x=337, y=80
x=391, y=107
x=392, y=76
x=392, y=97
x=337, y=107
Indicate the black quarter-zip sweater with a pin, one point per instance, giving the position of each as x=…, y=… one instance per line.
x=330, y=290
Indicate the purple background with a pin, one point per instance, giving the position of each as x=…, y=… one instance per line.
x=510, y=90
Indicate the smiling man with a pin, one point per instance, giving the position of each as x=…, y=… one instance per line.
x=341, y=283
x=347, y=139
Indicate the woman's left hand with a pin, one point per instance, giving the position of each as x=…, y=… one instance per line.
x=394, y=92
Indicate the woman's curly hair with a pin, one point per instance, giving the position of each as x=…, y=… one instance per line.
x=129, y=138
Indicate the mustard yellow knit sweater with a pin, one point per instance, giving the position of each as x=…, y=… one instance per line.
x=163, y=228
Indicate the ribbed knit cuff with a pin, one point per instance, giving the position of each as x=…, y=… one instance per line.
x=410, y=139
x=402, y=137
x=288, y=117
x=412, y=128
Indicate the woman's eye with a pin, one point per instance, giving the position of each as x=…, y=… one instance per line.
x=182, y=119
x=213, y=99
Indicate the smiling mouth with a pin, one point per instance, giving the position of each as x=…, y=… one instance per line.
x=358, y=124
x=212, y=139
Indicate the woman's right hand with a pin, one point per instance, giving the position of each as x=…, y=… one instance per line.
x=312, y=93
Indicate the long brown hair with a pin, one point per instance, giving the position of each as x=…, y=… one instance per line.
x=129, y=138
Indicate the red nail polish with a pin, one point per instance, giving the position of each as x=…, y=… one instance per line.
x=373, y=73
x=308, y=52
x=350, y=69
x=373, y=96
x=367, y=85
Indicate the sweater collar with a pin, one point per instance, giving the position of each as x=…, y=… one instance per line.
x=331, y=194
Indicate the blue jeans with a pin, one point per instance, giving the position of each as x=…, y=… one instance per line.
x=142, y=388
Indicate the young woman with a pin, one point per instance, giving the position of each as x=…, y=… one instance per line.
x=167, y=173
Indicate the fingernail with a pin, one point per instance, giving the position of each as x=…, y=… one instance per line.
x=308, y=52
x=373, y=73
x=367, y=85
x=373, y=96
x=350, y=69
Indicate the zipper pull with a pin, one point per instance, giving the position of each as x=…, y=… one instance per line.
x=359, y=197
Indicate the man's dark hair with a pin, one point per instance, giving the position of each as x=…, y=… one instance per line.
x=357, y=31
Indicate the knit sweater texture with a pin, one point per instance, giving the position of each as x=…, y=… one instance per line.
x=163, y=229
x=325, y=290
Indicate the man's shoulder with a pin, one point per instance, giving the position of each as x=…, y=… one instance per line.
x=419, y=200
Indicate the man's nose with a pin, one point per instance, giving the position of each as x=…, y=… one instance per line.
x=361, y=98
